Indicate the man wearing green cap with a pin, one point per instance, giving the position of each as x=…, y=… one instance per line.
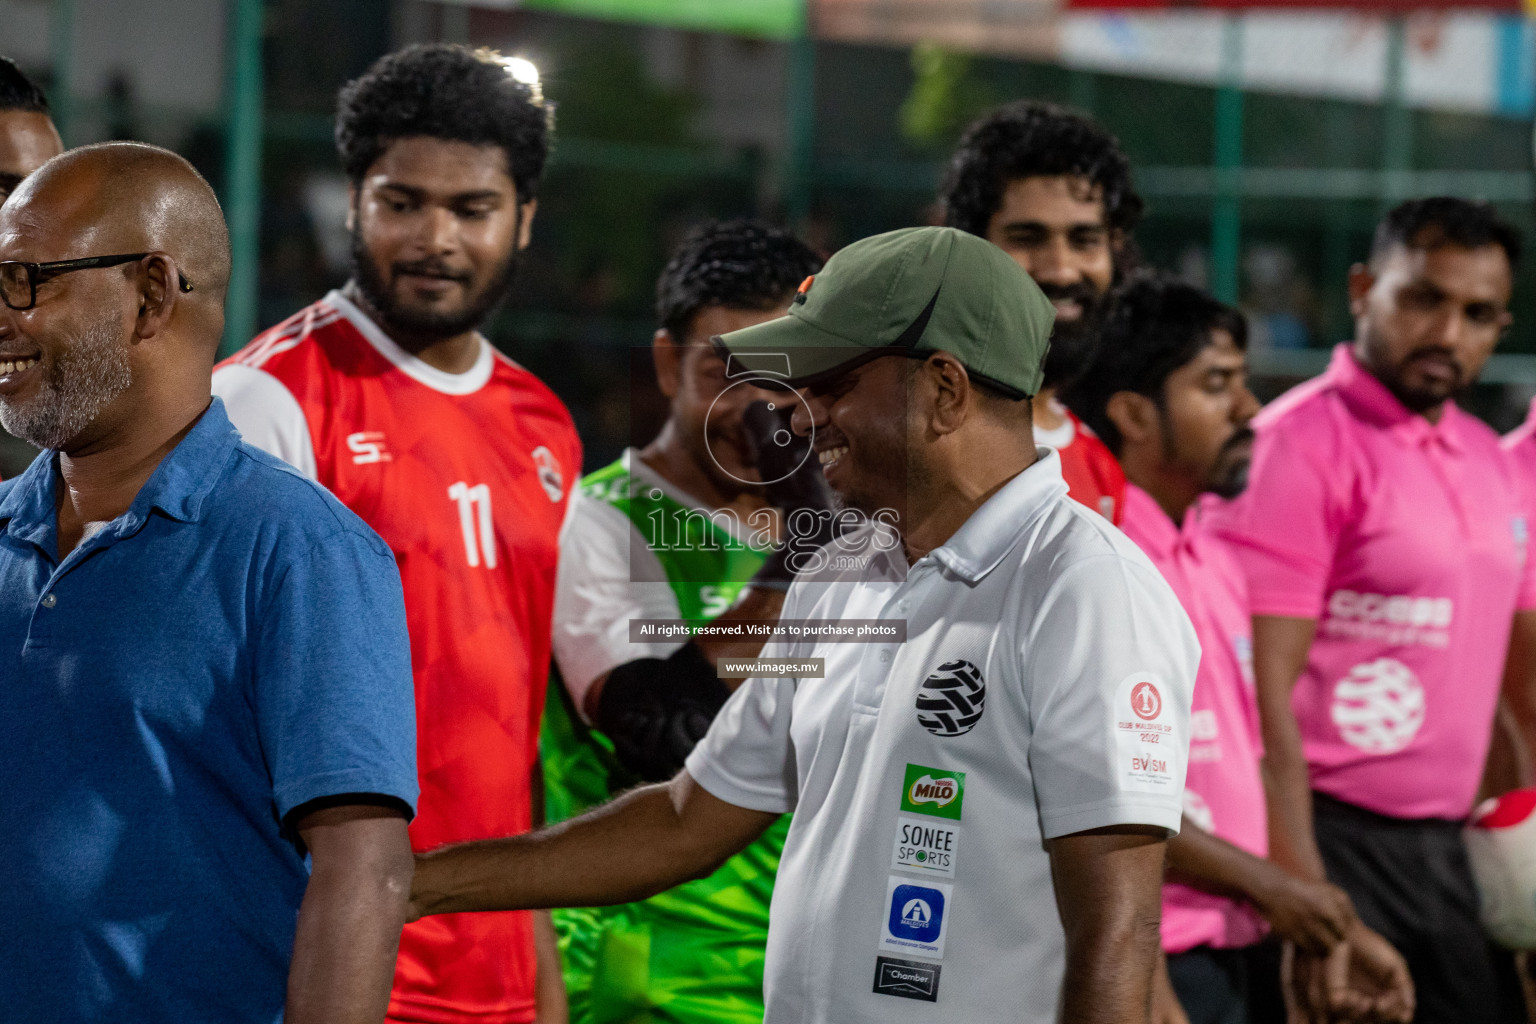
x=982, y=788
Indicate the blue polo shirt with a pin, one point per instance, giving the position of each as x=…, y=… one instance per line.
x=229, y=649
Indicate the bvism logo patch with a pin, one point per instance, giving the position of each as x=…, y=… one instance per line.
x=950, y=701
x=932, y=791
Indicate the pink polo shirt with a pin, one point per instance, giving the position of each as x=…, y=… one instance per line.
x=1520, y=443
x=1405, y=540
x=1223, y=792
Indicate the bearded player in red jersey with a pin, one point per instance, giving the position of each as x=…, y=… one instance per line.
x=461, y=460
x=1053, y=190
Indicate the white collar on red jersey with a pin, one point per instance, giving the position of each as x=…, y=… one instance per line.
x=1057, y=437
x=466, y=383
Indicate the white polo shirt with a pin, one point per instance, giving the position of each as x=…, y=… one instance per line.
x=1043, y=690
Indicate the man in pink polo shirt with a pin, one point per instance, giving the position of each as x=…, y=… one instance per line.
x=1168, y=394
x=1384, y=540
x=1504, y=768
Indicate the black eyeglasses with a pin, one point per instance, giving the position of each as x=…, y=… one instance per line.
x=19, y=281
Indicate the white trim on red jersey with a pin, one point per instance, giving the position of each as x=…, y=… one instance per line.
x=311, y=319
x=1057, y=437
x=466, y=383
x=267, y=415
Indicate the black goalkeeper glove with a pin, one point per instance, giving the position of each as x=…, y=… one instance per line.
x=793, y=483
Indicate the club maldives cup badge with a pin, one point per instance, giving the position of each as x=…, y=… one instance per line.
x=1146, y=736
x=933, y=791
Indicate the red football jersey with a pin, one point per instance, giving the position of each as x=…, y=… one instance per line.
x=467, y=477
x=1092, y=472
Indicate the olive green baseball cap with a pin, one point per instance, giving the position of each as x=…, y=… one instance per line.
x=907, y=292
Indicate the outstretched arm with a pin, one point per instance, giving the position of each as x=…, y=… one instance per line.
x=1109, y=891
x=647, y=840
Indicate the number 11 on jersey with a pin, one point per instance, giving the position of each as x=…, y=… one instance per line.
x=475, y=521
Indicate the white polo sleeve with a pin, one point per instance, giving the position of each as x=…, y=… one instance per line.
x=607, y=576
x=1109, y=668
x=748, y=756
x=267, y=415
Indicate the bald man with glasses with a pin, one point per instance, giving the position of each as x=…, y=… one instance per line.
x=19, y=281
x=207, y=736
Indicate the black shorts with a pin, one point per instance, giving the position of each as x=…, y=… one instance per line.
x=1410, y=881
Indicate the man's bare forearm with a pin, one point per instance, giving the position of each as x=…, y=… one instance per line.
x=1288, y=795
x=1313, y=914
x=643, y=842
x=1109, y=972
x=1280, y=649
x=1211, y=864
x=1109, y=892
x=550, y=999
x=1515, y=727
x=550, y=1003
x=349, y=924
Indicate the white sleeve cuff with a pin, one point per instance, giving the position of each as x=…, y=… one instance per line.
x=1120, y=810
x=723, y=786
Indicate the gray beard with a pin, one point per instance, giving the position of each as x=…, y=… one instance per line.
x=91, y=373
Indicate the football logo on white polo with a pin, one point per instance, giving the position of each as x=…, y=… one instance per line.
x=1379, y=706
x=950, y=702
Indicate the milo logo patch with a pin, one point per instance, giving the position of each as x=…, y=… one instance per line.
x=928, y=790
x=933, y=792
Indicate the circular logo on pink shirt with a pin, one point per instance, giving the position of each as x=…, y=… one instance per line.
x=1379, y=706
x=1146, y=701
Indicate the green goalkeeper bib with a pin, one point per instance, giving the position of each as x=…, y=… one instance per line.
x=692, y=954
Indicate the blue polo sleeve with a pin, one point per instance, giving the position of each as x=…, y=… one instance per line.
x=335, y=704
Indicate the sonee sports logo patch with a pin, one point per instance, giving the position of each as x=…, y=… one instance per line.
x=926, y=848
x=908, y=979
x=950, y=702
x=930, y=791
